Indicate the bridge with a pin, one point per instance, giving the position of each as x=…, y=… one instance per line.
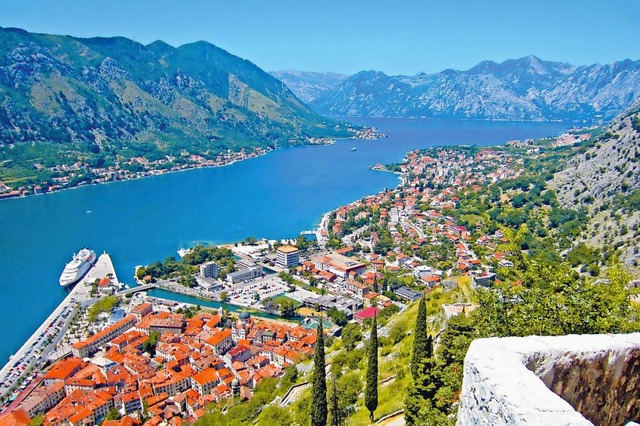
x=137, y=289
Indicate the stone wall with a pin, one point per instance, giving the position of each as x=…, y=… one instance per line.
x=563, y=380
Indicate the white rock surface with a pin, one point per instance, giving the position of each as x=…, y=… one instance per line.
x=502, y=376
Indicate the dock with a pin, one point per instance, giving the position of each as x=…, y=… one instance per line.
x=33, y=355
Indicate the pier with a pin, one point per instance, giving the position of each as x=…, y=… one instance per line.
x=33, y=355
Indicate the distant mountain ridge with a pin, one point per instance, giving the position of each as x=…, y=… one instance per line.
x=98, y=95
x=309, y=86
x=517, y=89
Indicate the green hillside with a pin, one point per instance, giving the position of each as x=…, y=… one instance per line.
x=102, y=100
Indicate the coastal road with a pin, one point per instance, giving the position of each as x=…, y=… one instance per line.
x=44, y=340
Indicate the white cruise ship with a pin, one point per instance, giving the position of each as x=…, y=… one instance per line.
x=78, y=267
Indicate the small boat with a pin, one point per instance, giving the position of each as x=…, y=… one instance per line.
x=354, y=149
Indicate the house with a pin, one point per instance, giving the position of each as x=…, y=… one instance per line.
x=370, y=312
x=205, y=381
x=358, y=288
x=407, y=293
x=221, y=341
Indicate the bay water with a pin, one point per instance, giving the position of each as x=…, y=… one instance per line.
x=140, y=221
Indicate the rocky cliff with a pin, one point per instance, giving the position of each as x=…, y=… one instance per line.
x=605, y=179
x=519, y=89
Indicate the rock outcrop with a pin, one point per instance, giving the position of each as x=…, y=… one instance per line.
x=561, y=380
x=605, y=179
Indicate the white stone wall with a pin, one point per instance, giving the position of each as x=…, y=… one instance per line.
x=502, y=376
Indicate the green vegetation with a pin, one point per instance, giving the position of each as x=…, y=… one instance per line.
x=184, y=269
x=98, y=106
x=284, y=305
x=151, y=342
x=241, y=413
x=319, y=410
x=106, y=304
x=289, y=279
x=371, y=388
x=420, y=343
x=335, y=416
x=337, y=316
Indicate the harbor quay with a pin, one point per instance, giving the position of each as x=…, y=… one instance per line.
x=22, y=367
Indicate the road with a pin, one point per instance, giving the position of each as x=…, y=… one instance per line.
x=43, y=341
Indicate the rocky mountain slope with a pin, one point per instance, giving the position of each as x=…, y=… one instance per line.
x=309, y=86
x=605, y=179
x=100, y=94
x=518, y=89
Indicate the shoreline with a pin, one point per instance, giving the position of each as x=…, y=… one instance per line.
x=150, y=175
x=161, y=172
x=37, y=349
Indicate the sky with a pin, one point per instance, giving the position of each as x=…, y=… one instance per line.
x=347, y=36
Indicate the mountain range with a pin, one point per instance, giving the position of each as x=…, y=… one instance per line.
x=518, y=89
x=100, y=95
x=309, y=86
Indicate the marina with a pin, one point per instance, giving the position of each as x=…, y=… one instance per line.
x=42, y=346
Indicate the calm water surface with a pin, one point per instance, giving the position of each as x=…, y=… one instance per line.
x=138, y=222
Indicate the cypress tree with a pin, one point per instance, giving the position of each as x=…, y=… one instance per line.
x=371, y=388
x=319, y=402
x=334, y=408
x=420, y=407
x=375, y=282
x=420, y=350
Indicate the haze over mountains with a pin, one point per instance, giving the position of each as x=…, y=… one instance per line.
x=517, y=89
x=309, y=86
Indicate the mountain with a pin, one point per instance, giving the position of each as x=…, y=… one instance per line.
x=309, y=86
x=103, y=95
x=518, y=89
x=605, y=179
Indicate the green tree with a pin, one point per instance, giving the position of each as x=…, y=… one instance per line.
x=339, y=317
x=274, y=415
x=351, y=335
x=371, y=388
x=334, y=407
x=419, y=338
x=37, y=420
x=112, y=414
x=420, y=407
x=287, y=308
x=151, y=342
x=319, y=402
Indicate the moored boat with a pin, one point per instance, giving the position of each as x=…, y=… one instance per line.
x=78, y=267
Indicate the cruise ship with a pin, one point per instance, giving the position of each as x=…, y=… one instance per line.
x=78, y=267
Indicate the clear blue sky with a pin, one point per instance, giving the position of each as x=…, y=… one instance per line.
x=397, y=37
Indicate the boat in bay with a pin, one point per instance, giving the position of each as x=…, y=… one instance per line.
x=78, y=267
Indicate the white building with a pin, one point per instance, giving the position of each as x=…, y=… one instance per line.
x=287, y=256
x=245, y=275
x=209, y=270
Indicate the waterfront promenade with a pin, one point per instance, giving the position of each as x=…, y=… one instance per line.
x=35, y=351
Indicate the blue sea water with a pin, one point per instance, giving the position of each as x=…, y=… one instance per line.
x=141, y=221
